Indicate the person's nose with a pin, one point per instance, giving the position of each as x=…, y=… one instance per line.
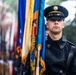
x=56, y=22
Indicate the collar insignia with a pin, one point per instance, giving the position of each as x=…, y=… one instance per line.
x=48, y=45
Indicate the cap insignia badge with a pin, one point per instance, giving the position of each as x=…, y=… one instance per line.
x=55, y=8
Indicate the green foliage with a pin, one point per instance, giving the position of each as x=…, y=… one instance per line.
x=12, y=5
x=70, y=33
x=52, y=2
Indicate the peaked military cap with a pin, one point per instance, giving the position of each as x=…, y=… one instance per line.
x=55, y=11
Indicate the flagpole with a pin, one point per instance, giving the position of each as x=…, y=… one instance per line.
x=37, y=68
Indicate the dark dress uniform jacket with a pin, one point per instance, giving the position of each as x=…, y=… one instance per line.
x=56, y=57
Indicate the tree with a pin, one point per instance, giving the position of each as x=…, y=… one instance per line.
x=70, y=33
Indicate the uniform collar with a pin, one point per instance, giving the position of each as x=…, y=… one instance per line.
x=61, y=42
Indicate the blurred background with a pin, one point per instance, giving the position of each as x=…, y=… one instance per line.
x=8, y=33
x=9, y=29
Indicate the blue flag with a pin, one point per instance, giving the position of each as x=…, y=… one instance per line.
x=21, y=21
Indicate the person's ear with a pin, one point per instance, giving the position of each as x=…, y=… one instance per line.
x=64, y=25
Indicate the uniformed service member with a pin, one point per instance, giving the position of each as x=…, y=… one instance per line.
x=60, y=53
x=60, y=56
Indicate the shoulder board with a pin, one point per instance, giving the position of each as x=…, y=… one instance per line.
x=71, y=43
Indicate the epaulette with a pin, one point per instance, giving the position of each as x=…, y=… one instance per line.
x=71, y=43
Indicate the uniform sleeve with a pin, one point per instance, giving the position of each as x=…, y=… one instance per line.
x=73, y=65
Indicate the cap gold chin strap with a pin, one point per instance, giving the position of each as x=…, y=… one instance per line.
x=55, y=12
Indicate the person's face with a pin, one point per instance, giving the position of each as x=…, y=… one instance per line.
x=55, y=25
